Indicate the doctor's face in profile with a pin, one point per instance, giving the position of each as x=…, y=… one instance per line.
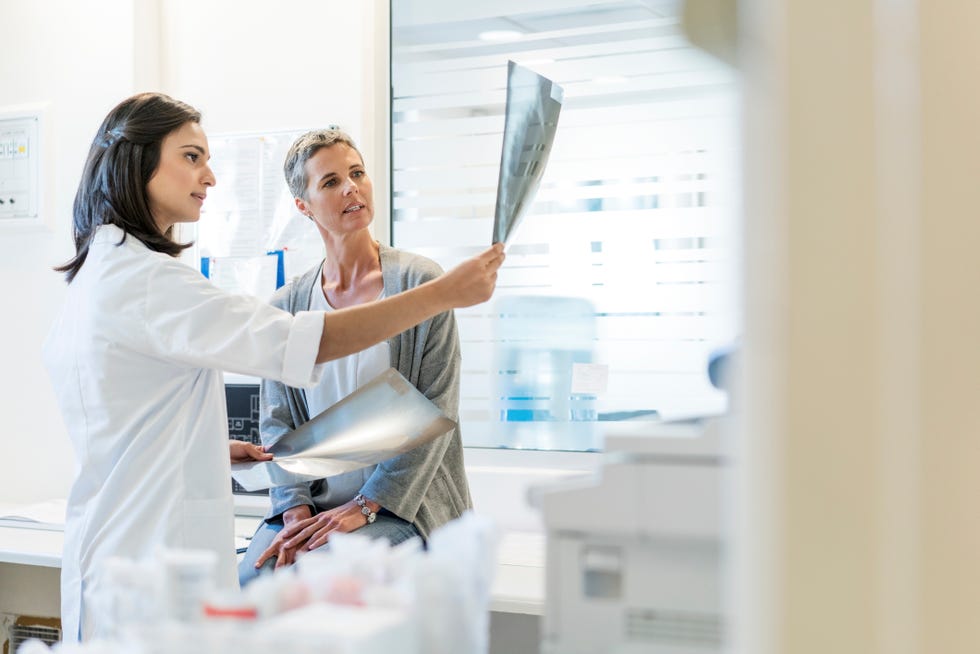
x=339, y=193
x=180, y=183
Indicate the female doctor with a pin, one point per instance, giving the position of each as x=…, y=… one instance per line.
x=136, y=354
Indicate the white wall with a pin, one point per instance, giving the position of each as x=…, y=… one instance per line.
x=247, y=65
x=79, y=62
x=251, y=64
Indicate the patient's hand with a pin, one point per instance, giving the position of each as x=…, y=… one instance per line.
x=315, y=532
x=242, y=452
x=284, y=546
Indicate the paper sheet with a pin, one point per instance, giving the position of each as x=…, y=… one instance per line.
x=41, y=515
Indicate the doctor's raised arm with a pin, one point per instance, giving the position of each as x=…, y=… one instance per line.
x=136, y=354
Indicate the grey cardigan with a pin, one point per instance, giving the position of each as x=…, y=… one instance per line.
x=425, y=486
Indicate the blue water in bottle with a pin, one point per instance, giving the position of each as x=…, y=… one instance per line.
x=539, y=338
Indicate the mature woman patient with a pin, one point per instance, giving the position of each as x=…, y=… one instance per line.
x=408, y=495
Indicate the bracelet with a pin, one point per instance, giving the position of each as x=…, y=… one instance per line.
x=365, y=509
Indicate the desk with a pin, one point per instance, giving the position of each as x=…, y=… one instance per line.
x=30, y=567
x=518, y=584
x=39, y=547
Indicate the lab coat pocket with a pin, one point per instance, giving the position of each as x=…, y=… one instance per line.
x=210, y=525
x=208, y=521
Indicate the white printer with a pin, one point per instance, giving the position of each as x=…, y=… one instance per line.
x=635, y=555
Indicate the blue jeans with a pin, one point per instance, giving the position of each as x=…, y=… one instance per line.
x=387, y=525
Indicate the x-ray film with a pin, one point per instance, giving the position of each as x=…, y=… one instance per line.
x=384, y=418
x=533, y=105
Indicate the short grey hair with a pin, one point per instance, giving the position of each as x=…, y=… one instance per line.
x=303, y=149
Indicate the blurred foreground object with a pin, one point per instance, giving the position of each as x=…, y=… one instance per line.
x=360, y=596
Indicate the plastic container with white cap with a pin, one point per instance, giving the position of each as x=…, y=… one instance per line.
x=188, y=579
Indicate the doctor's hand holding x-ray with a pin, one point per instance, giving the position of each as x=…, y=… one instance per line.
x=243, y=452
x=136, y=354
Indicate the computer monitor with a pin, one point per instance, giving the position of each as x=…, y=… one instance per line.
x=243, y=420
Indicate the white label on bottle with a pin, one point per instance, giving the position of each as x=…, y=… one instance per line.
x=589, y=378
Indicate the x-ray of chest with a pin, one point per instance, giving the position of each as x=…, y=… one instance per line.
x=531, y=118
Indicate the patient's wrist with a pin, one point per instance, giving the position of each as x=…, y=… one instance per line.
x=369, y=508
x=301, y=512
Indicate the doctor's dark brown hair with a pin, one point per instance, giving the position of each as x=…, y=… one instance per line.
x=121, y=161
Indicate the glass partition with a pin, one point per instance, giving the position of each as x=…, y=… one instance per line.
x=620, y=281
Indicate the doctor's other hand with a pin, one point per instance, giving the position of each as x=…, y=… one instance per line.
x=294, y=520
x=242, y=452
x=473, y=281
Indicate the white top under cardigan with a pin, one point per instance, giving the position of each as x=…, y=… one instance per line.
x=341, y=377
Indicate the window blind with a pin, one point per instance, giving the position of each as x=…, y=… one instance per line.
x=620, y=280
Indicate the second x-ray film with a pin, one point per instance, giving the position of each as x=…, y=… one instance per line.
x=533, y=105
x=384, y=418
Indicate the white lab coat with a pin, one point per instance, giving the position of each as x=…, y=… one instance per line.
x=135, y=359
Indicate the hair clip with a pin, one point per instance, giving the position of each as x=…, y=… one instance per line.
x=111, y=137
